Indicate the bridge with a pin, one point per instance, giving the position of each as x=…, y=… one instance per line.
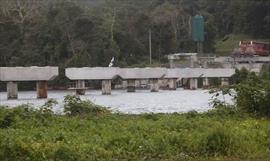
x=41, y=75
x=107, y=74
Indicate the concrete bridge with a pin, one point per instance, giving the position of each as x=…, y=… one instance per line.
x=106, y=75
x=13, y=75
x=41, y=75
x=191, y=75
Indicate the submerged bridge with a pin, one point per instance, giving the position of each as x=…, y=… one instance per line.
x=41, y=75
x=106, y=75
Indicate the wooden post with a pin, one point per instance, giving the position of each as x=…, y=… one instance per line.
x=42, y=89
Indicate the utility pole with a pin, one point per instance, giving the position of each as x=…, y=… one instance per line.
x=150, y=46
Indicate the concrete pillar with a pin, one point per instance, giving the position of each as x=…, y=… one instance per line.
x=171, y=63
x=205, y=64
x=193, y=59
x=80, y=87
x=154, y=86
x=172, y=84
x=106, y=87
x=42, y=89
x=12, y=90
x=191, y=62
x=193, y=83
x=205, y=82
x=225, y=81
x=131, y=85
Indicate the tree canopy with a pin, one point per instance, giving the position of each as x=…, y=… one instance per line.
x=91, y=32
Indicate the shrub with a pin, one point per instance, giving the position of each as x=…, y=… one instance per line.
x=74, y=106
x=253, y=97
x=48, y=106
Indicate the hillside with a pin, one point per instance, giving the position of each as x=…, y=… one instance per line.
x=91, y=32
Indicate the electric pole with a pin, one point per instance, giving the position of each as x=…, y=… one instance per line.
x=150, y=46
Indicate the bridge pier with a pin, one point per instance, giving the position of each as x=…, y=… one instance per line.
x=106, y=87
x=12, y=90
x=172, y=83
x=80, y=87
x=131, y=86
x=193, y=83
x=154, y=86
x=42, y=89
x=205, y=82
x=225, y=81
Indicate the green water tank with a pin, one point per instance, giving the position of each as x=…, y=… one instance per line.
x=198, y=28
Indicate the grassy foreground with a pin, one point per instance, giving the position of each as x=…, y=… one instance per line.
x=27, y=134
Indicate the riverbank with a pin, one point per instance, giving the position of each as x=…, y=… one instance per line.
x=223, y=134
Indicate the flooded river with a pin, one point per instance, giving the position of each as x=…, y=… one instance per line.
x=142, y=101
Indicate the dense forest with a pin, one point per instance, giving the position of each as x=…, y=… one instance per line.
x=91, y=32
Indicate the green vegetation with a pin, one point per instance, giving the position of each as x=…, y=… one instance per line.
x=91, y=132
x=226, y=45
x=221, y=134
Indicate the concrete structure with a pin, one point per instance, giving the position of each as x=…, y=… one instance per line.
x=206, y=82
x=41, y=75
x=42, y=89
x=80, y=87
x=154, y=86
x=225, y=81
x=131, y=85
x=193, y=83
x=106, y=87
x=104, y=74
x=191, y=56
x=12, y=90
x=192, y=75
x=152, y=74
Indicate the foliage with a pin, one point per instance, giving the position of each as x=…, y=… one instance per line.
x=219, y=142
x=251, y=93
x=192, y=136
x=74, y=106
x=78, y=33
x=253, y=97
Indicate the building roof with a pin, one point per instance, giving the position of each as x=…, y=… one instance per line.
x=28, y=73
